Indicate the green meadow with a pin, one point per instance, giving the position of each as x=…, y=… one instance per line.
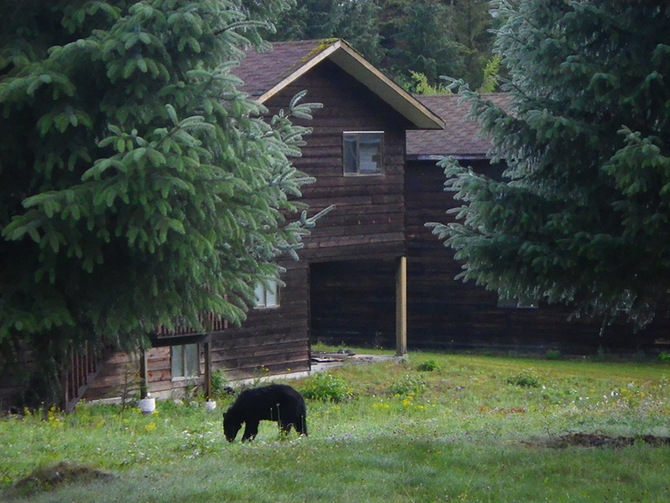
x=435, y=428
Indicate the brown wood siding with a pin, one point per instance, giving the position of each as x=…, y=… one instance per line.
x=120, y=375
x=445, y=313
x=368, y=222
x=368, y=219
x=366, y=225
x=274, y=338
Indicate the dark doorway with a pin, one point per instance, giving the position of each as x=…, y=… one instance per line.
x=352, y=303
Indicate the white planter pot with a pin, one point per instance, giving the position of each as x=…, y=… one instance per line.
x=147, y=405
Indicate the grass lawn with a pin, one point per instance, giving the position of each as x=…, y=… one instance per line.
x=437, y=428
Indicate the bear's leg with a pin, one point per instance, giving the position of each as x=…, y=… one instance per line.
x=286, y=423
x=250, y=430
x=301, y=425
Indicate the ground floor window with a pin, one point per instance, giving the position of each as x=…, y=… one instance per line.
x=517, y=303
x=185, y=360
x=267, y=295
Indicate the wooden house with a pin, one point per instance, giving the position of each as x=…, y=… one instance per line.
x=371, y=273
x=350, y=283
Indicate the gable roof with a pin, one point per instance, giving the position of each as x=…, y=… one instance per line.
x=266, y=74
x=461, y=137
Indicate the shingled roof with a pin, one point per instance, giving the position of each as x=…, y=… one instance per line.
x=461, y=137
x=265, y=74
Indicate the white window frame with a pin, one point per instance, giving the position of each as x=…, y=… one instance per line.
x=267, y=295
x=355, y=159
x=182, y=361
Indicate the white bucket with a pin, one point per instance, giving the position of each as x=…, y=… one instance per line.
x=147, y=405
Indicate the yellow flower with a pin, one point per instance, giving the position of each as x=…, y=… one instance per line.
x=150, y=427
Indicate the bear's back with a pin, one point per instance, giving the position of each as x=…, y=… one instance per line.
x=272, y=395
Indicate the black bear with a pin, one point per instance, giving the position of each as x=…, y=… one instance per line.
x=277, y=402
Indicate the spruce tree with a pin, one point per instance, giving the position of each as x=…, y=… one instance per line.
x=582, y=213
x=436, y=38
x=355, y=22
x=138, y=187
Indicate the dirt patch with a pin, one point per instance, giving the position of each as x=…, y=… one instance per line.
x=53, y=477
x=598, y=440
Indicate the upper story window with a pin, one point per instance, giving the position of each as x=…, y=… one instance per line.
x=267, y=295
x=363, y=152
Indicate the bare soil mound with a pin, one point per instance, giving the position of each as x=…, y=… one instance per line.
x=598, y=440
x=52, y=477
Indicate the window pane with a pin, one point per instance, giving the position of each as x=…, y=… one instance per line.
x=185, y=361
x=177, y=361
x=350, y=155
x=369, y=151
x=271, y=295
x=363, y=153
x=191, y=360
x=260, y=295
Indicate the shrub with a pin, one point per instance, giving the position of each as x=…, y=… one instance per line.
x=327, y=388
x=411, y=384
x=525, y=379
x=427, y=366
x=664, y=357
x=220, y=387
x=553, y=354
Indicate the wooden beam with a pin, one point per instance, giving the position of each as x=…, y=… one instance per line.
x=178, y=340
x=144, y=374
x=401, y=308
x=208, y=369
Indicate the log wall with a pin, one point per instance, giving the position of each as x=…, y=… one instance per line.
x=445, y=313
x=119, y=376
x=276, y=338
x=368, y=219
x=367, y=223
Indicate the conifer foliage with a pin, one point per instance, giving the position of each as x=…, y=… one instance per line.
x=138, y=186
x=582, y=214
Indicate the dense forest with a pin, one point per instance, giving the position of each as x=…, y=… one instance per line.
x=413, y=41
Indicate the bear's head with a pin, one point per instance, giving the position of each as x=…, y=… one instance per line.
x=231, y=425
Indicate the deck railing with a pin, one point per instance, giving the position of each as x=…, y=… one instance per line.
x=217, y=324
x=79, y=371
